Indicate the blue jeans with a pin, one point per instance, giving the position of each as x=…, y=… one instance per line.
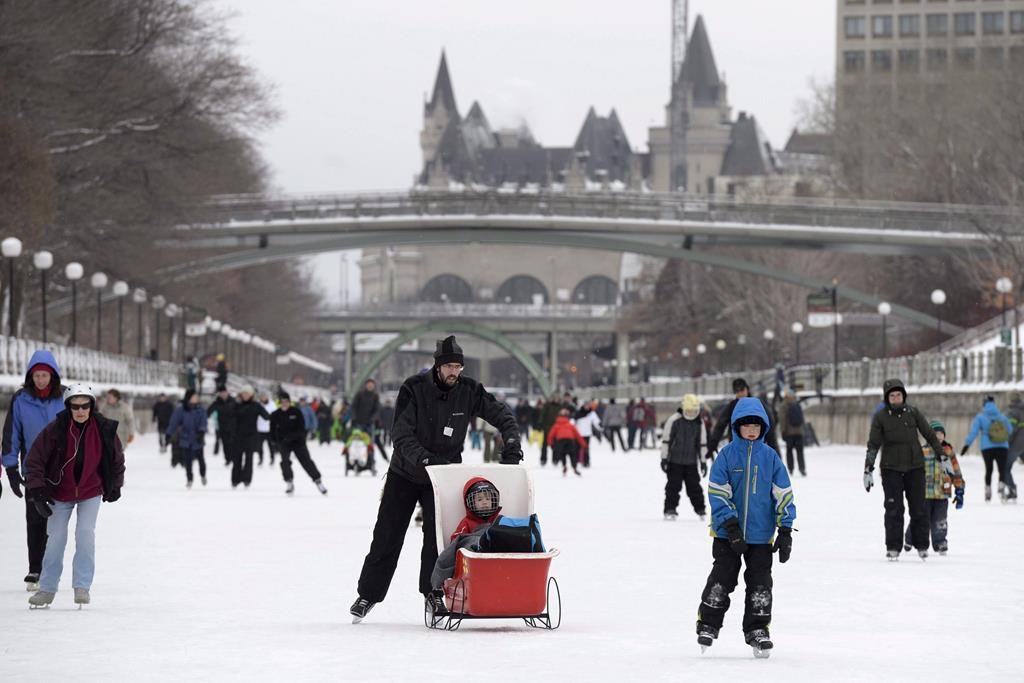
x=84, y=564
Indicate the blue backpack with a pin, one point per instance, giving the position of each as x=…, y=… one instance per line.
x=513, y=535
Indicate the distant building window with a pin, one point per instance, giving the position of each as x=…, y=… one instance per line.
x=881, y=26
x=853, y=61
x=992, y=57
x=938, y=59
x=447, y=288
x=910, y=60
x=881, y=61
x=910, y=25
x=596, y=289
x=937, y=24
x=965, y=57
x=855, y=27
x=1016, y=22
x=1017, y=54
x=521, y=289
x=993, y=23
x=965, y=23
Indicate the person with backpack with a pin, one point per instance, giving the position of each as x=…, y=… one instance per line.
x=793, y=432
x=994, y=428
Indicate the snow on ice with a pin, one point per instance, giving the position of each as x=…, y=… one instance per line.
x=216, y=584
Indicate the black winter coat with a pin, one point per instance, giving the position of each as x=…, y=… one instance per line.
x=162, y=411
x=365, y=407
x=424, y=410
x=246, y=415
x=894, y=431
x=288, y=426
x=226, y=410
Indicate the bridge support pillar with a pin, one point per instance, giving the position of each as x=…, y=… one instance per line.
x=622, y=358
x=349, y=342
x=485, y=366
x=553, y=358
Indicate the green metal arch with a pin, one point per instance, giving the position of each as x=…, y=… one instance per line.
x=454, y=326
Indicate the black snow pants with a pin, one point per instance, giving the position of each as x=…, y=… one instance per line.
x=725, y=572
x=677, y=474
x=245, y=448
x=190, y=455
x=35, y=526
x=795, y=443
x=397, y=504
x=301, y=451
x=938, y=521
x=999, y=457
x=566, y=451
x=896, y=486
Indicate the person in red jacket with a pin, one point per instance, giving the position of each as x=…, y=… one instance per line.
x=76, y=462
x=566, y=442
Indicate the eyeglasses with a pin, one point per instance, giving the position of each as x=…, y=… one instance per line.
x=453, y=367
x=79, y=406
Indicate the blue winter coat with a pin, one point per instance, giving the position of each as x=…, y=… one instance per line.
x=749, y=482
x=982, y=421
x=309, y=416
x=192, y=421
x=29, y=414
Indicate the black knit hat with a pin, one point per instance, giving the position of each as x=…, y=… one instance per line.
x=448, y=351
x=739, y=384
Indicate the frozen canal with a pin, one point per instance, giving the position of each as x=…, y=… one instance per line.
x=234, y=585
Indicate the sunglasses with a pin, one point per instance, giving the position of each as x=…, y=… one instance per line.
x=79, y=406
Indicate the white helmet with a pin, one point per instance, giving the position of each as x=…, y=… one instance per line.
x=79, y=390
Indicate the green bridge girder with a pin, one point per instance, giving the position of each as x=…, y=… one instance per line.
x=452, y=327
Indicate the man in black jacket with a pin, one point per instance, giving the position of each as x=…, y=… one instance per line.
x=432, y=415
x=162, y=411
x=741, y=390
x=288, y=430
x=225, y=406
x=247, y=435
x=894, y=430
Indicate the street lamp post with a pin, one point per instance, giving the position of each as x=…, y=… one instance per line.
x=939, y=298
x=215, y=328
x=1004, y=286
x=171, y=310
x=11, y=248
x=120, y=291
x=98, y=282
x=43, y=261
x=74, y=272
x=139, y=297
x=798, y=329
x=701, y=350
x=157, y=302
x=884, y=309
x=720, y=345
x=742, y=341
x=769, y=337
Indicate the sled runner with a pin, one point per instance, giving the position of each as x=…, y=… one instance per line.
x=492, y=585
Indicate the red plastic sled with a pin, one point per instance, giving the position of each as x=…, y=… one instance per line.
x=492, y=585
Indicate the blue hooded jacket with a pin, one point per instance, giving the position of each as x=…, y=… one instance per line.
x=982, y=421
x=749, y=482
x=192, y=422
x=29, y=413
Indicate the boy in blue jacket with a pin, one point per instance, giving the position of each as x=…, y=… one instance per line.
x=751, y=497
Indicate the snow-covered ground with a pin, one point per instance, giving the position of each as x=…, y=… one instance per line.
x=216, y=584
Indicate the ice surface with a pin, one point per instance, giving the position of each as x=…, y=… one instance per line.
x=216, y=584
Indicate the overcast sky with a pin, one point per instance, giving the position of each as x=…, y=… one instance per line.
x=351, y=75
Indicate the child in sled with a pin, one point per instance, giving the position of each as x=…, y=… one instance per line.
x=483, y=505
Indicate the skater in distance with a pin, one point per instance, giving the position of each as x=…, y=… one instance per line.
x=432, y=414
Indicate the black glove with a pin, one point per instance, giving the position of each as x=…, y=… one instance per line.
x=664, y=466
x=869, y=479
x=958, y=497
x=783, y=543
x=113, y=497
x=703, y=464
x=710, y=455
x=963, y=451
x=14, y=477
x=512, y=454
x=42, y=502
x=732, y=527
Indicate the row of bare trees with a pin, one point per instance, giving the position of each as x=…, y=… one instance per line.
x=118, y=118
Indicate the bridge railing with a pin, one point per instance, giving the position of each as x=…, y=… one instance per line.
x=620, y=205
x=997, y=369
x=477, y=310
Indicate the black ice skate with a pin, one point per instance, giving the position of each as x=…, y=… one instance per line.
x=706, y=635
x=988, y=493
x=435, y=603
x=760, y=642
x=32, y=582
x=671, y=515
x=359, y=609
x=923, y=554
x=892, y=555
